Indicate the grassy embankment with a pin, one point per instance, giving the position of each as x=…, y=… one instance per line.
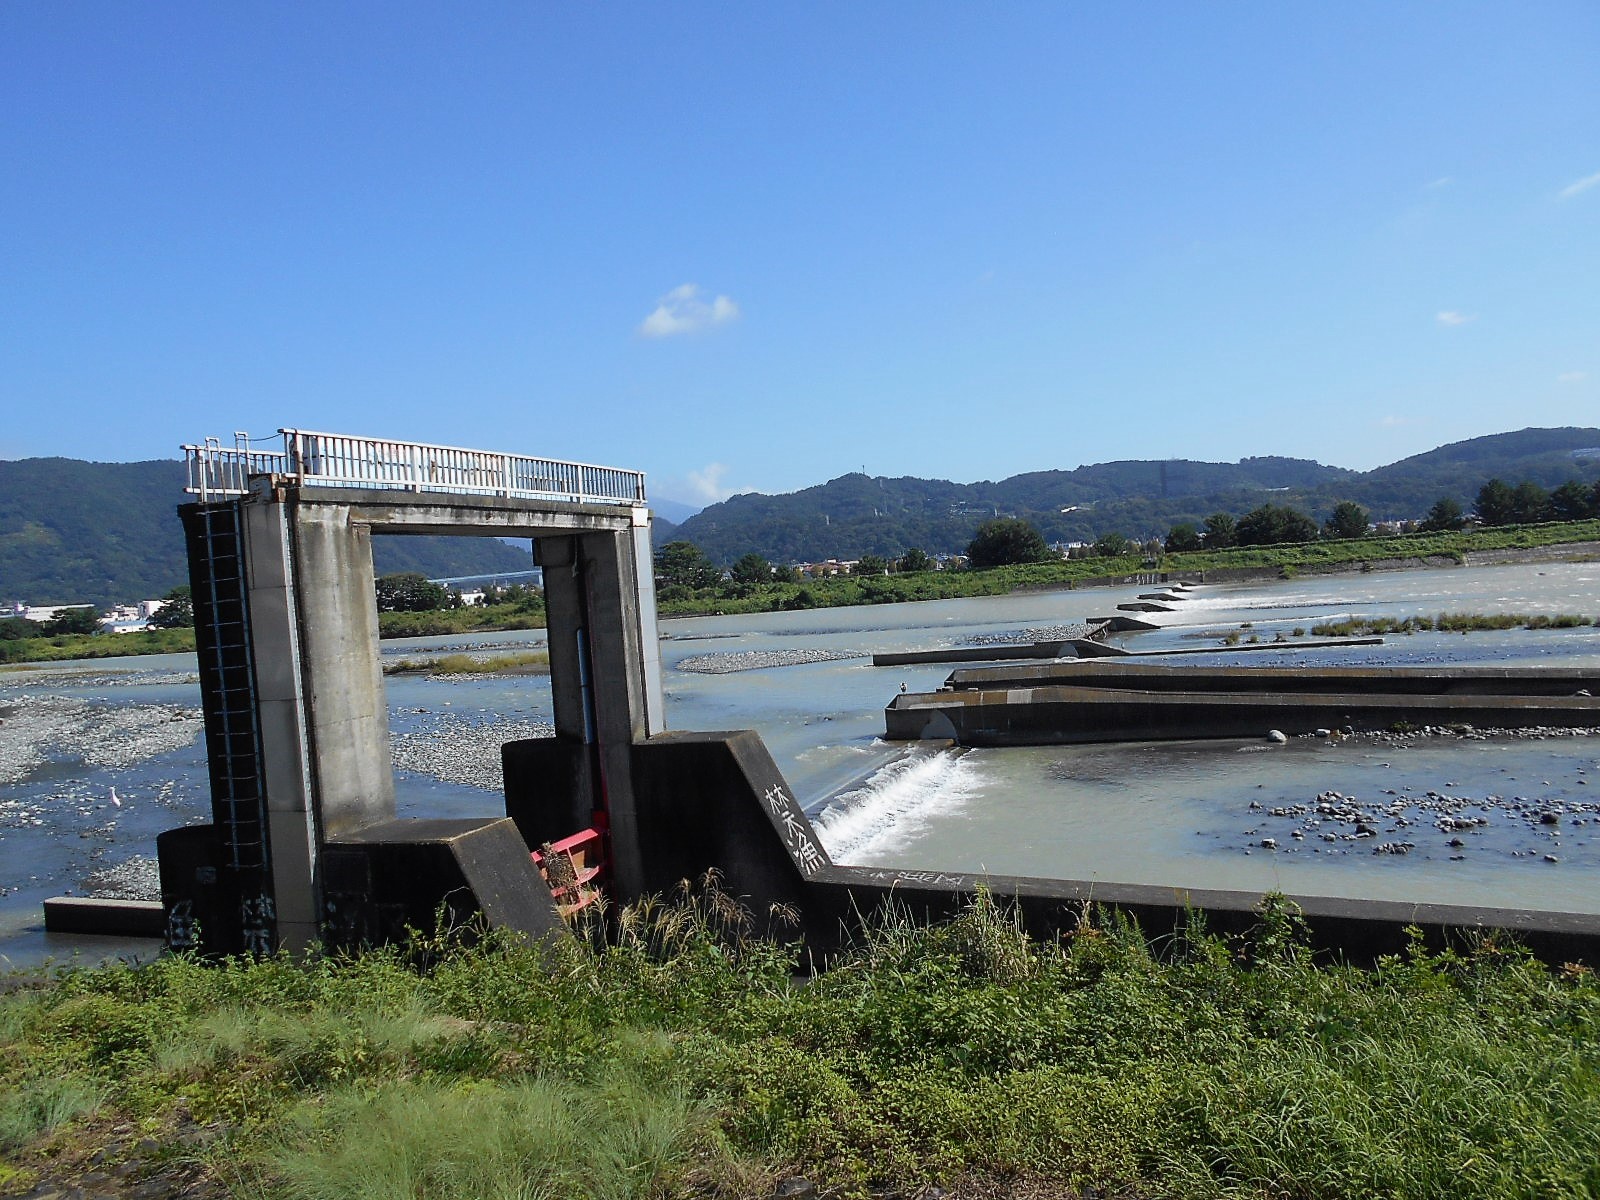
x=684, y=1060
x=942, y=585
x=528, y=662
x=484, y=619
x=926, y=585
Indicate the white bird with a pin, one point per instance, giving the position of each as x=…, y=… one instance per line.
x=114, y=799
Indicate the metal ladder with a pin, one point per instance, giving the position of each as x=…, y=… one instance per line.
x=228, y=690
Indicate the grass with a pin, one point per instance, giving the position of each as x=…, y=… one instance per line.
x=1282, y=561
x=96, y=645
x=480, y=618
x=1447, y=623
x=467, y=664
x=683, y=1059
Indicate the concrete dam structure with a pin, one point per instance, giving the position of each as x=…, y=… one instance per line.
x=1117, y=701
x=304, y=848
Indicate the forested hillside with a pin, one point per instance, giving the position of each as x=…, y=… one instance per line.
x=104, y=533
x=108, y=532
x=856, y=514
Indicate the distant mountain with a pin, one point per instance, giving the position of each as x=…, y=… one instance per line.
x=104, y=533
x=855, y=514
x=662, y=530
x=675, y=511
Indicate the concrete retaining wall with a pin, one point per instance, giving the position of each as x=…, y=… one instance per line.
x=1062, y=715
x=1419, y=681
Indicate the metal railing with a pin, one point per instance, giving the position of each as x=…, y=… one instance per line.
x=339, y=460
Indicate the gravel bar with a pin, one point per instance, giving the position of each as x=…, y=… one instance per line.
x=461, y=750
x=38, y=729
x=1038, y=633
x=760, y=660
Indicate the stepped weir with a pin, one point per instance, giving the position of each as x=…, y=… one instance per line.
x=305, y=849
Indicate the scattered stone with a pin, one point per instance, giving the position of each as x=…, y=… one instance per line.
x=1277, y=735
x=457, y=749
x=727, y=662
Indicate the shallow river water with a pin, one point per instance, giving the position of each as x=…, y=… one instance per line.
x=95, y=759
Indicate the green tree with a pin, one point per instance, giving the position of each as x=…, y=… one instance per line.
x=1221, y=531
x=1573, y=501
x=914, y=560
x=1275, y=525
x=1445, y=516
x=1348, y=520
x=683, y=564
x=177, y=612
x=751, y=569
x=1530, y=503
x=1004, y=541
x=870, y=564
x=410, y=591
x=1495, y=504
x=1181, y=537
x=74, y=620
x=1112, y=545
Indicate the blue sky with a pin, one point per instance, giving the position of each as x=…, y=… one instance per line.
x=753, y=247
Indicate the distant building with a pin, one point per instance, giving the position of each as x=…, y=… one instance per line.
x=824, y=570
x=131, y=618
x=47, y=612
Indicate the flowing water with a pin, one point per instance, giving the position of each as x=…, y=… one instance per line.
x=1195, y=814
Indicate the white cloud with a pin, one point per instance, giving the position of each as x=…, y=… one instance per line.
x=706, y=486
x=1451, y=317
x=1572, y=377
x=1579, y=185
x=1442, y=181
x=1393, y=420
x=685, y=310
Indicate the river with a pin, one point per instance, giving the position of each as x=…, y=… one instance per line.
x=1238, y=814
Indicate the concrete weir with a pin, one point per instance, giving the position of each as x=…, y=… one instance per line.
x=304, y=848
x=1110, y=701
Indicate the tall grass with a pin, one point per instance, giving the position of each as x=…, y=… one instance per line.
x=680, y=1057
x=469, y=664
x=1448, y=623
x=624, y=1135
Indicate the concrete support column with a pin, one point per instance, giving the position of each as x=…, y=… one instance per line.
x=347, y=714
x=605, y=668
x=324, y=721
x=280, y=705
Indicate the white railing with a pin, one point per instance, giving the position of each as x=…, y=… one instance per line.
x=339, y=460
x=215, y=470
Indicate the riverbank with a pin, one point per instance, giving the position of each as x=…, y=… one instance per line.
x=1559, y=542
x=683, y=1060
x=1556, y=542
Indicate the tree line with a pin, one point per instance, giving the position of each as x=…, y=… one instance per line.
x=683, y=569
